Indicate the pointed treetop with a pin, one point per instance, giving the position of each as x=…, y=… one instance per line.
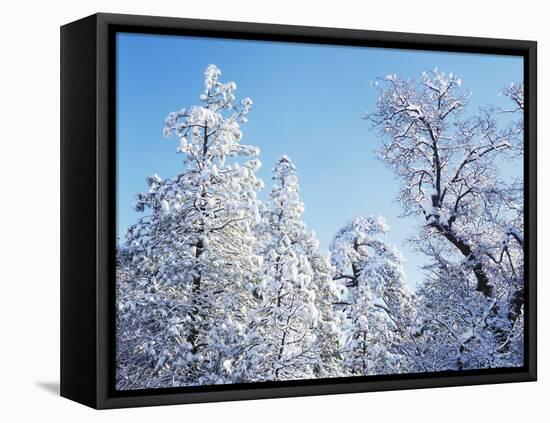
x=285, y=170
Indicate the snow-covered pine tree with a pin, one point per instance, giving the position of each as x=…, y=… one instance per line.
x=193, y=252
x=376, y=301
x=329, y=329
x=293, y=331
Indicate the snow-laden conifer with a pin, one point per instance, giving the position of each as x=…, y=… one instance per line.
x=192, y=253
x=295, y=333
x=377, y=302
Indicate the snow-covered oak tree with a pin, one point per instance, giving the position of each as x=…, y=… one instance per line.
x=293, y=333
x=448, y=161
x=515, y=93
x=377, y=302
x=192, y=254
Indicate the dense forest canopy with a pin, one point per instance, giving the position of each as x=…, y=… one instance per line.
x=215, y=286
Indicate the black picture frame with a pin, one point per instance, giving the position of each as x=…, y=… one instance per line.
x=88, y=156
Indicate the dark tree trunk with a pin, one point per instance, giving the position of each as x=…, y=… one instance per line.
x=194, y=332
x=483, y=285
x=199, y=249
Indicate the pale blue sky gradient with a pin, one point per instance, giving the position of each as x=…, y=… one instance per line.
x=308, y=103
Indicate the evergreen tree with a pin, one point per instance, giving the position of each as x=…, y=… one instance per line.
x=294, y=296
x=193, y=253
x=377, y=301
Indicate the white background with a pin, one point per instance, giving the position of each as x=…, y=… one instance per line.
x=29, y=198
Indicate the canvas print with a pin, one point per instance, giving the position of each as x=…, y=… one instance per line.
x=292, y=211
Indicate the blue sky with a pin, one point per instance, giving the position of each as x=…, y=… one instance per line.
x=308, y=103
